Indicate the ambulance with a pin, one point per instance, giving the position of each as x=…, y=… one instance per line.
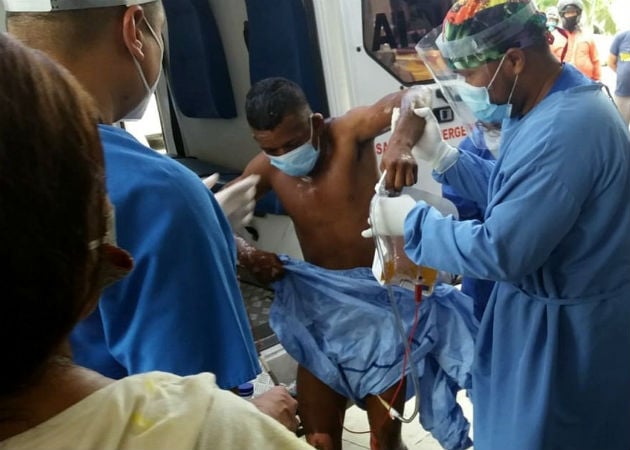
x=343, y=53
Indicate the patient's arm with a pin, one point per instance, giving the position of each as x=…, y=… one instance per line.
x=266, y=267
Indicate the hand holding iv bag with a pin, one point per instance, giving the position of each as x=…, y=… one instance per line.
x=387, y=215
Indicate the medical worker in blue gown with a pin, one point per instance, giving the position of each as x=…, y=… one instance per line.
x=483, y=142
x=180, y=310
x=552, y=362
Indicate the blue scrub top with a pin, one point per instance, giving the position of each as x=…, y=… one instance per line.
x=180, y=310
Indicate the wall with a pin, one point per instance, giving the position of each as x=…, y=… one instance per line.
x=226, y=142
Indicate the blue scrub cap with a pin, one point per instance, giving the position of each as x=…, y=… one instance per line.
x=62, y=5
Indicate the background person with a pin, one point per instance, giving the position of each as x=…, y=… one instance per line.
x=571, y=44
x=181, y=309
x=551, y=361
x=57, y=245
x=553, y=18
x=619, y=62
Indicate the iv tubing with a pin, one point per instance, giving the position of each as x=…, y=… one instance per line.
x=401, y=329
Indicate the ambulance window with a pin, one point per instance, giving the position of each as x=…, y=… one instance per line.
x=391, y=30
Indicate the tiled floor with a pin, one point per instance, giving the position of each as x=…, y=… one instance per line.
x=414, y=436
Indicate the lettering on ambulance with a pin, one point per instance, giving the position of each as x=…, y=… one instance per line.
x=448, y=134
x=380, y=147
x=453, y=133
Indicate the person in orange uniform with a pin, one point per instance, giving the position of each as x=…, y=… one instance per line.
x=571, y=44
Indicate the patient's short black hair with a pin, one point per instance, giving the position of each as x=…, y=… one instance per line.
x=270, y=100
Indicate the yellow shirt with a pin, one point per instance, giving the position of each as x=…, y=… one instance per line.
x=157, y=411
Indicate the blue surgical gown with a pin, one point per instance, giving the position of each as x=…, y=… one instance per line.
x=180, y=310
x=467, y=209
x=340, y=326
x=552, y=358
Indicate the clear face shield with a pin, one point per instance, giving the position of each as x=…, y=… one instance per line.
x=471, y=51
x=450, y=83
x=470, y=104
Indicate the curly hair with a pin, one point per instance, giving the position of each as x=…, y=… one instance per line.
x=270, y=100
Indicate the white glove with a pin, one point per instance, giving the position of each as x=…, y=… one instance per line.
x=416, y=97
x=388, y=216
x=237, y=200
x=431, y=147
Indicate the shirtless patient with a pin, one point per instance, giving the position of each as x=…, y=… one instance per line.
x=324, y=172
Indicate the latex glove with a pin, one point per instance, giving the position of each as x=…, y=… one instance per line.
x=388, y=216
x=237, y=200
x=431, y=146
x=279, y=404
x=416, y=97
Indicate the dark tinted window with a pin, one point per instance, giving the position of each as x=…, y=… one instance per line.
x=392, y=28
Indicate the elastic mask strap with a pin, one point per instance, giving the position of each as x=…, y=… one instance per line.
x=310, y=122
x=512, y=91
x=135, y=61
x=310, y=139
x=147, y=88
x=496, y=72
x=155, y=36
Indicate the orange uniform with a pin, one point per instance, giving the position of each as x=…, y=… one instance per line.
x=581, y=52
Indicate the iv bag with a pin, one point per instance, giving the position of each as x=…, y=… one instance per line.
x=392, y=266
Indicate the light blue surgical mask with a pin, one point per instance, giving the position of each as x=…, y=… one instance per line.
x=299, y=161
x=478, y=100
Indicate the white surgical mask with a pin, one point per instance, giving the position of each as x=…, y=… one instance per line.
x=138, y=111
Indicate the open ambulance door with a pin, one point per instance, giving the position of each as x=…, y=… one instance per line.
x=342, y=53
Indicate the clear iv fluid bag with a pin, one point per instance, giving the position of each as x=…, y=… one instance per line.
x=392, y=265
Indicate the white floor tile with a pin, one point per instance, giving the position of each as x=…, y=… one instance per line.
x=347, y=445
x=414, y=436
